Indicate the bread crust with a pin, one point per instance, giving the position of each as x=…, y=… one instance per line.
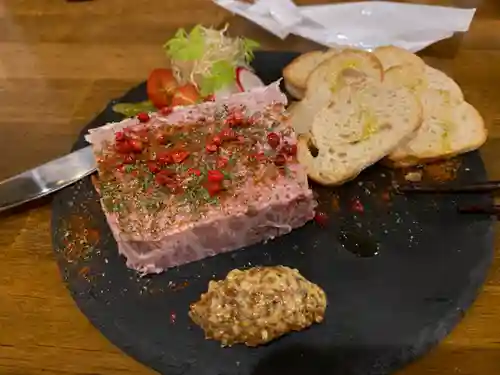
x=347, y=54
x=391, y=56
x=294, y=91
x=296, y=82
x=288, y=71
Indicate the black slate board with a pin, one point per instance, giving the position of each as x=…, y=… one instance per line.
x=383, y=312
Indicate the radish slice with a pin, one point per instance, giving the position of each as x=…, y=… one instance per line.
x=246, y=80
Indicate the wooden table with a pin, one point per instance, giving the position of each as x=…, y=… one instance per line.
x=61, y=62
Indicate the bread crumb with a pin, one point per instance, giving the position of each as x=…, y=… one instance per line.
x=414, y=176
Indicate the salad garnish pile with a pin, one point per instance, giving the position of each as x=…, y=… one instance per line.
x=204, y=63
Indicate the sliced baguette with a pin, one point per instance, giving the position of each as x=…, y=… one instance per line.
x=445, y=85
x=302, y=114
x=350, y=68
x=328, y=72
x=450, y=125
x=447, y=130
x=292, y=105
x=419, y=80
x=296, y=73
x=357, y=129
x=391, y=56
x=295, y=92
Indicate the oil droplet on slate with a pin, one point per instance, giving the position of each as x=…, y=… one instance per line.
x=358, y=245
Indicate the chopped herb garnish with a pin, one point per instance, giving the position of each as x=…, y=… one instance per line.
x=213, y=200
x=147, y=182
x=129, y=168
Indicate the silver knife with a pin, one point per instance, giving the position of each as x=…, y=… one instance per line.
x=47, y=178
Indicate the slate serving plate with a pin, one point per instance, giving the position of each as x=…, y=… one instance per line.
x=384, y=310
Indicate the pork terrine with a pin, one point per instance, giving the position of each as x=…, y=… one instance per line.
x=206, y=179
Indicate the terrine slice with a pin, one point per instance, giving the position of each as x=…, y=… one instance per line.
x=202, y=180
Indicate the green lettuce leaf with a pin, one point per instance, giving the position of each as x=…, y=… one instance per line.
x=186, y=47
x=133, y=109
x=222, y=74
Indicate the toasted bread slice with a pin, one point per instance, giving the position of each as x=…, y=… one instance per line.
x=391, y=56
x=296, y=73
x=350, y=68
x=303, y=113
x=350, y=60
x=450, y=125
x=445, y=85
x=357, y=129
x=447, y=130
x=420, y=79
x=294, y=91
x=291, y=106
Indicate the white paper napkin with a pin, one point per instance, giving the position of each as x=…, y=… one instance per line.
x=364, y=25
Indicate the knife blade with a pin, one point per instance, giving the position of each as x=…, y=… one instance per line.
x=46, y=178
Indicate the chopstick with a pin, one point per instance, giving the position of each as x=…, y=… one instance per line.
x=485, y=210
x=478, y=187
x=472, y=188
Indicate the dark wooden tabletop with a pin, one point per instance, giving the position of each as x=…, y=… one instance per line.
x=61, y=62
